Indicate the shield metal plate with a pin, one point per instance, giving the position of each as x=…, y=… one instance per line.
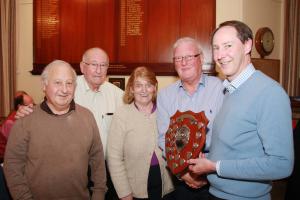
x=185, y=139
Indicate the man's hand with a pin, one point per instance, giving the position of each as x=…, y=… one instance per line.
x=23, y=111
x=193, y=180
x=201, y=165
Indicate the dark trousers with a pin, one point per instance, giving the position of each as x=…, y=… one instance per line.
x=184, y=192
x=212, y=197
x=169, y=196
x=4, y=194
x=111, y=193
x=154, y=185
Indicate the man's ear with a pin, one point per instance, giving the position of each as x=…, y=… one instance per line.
x=248, y=46
x=81, y=67
x=43, y=85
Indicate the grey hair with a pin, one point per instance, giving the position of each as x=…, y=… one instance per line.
x=48, y=68
x=188, y=40
x=85, y=54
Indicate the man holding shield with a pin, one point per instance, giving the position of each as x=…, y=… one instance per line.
x=194, y=92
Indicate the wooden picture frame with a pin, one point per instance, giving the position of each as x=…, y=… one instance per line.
x=119, y=82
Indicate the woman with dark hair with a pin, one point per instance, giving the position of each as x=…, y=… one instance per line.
x=135, y=161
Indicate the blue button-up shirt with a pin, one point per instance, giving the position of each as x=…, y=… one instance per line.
x=208, y=98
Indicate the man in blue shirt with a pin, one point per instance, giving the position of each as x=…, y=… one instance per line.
x=252, y=141
x=194, y=91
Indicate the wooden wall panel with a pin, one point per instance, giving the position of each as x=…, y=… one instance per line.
x=163, y=29
x=73, y=30
x=197, y=20
x=270, y=67
x=133, y=47
x=132, y=32
x=46, y=31
x=100, y=26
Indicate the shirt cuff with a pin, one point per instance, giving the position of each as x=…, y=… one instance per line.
x=218, y=168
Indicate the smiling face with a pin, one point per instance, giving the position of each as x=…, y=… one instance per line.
x=94, y=67
x=143, y=91
x=230, y=54
x=59, y=88
x=189, y=68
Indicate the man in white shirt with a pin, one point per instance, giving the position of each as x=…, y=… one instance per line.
x=95, y=93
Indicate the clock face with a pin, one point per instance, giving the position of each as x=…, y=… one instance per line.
x=264, y=41
x=268, y=41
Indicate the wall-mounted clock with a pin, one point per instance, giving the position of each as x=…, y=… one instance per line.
x=264, y=41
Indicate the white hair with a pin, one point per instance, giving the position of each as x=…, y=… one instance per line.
x=48, y=68
x=188, y=40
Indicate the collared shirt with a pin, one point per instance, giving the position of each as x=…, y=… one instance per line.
x=44, y=106
x=101, y=103
x=208, y=97
x=240, y=79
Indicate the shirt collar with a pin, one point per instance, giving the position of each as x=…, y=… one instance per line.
x=239, y=80
x=44, y=106
x=201, y=82
x=87, y=87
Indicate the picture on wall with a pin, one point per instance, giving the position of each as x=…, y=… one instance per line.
x=119, y=82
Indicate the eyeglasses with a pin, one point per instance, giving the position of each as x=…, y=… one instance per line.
x=186, y=58
x=96, y=65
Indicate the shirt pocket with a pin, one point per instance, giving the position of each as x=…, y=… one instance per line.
x=107, y=121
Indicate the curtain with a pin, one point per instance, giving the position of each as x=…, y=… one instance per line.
x=7, y=55
x=291, y=57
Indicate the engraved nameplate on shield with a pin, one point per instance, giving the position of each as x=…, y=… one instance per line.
x=185, y=139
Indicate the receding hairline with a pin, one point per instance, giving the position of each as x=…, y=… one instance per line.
x=243, y=31
x=92, y=50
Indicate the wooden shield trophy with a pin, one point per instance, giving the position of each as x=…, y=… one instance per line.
x=185, y=139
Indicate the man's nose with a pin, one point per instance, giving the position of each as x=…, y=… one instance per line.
x=64, y=88
x=98, y=69
x=219, y=54
x=183, y=61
